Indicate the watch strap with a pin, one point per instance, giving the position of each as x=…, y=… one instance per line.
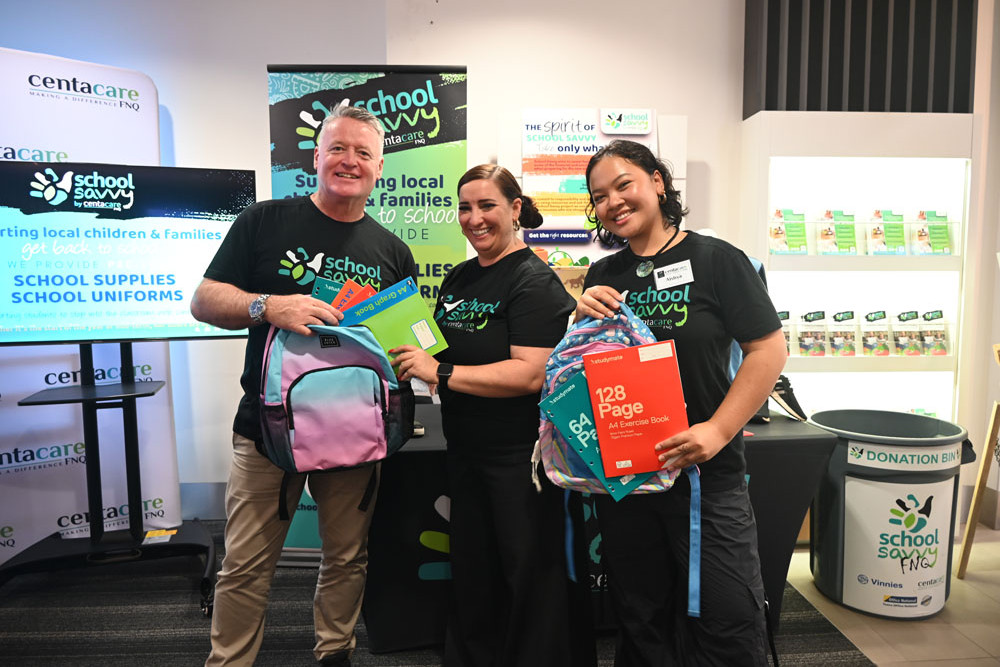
x=444, y=371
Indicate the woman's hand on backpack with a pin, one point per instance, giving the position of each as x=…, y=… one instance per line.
x=412, y=362
x=295, y=312
x=599, y=301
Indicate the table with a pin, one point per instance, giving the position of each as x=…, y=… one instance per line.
x=785, y=461
x=408, y=579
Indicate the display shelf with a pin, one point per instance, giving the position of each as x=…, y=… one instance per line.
x=879, y=263
x=838, y=170
x=895, y=364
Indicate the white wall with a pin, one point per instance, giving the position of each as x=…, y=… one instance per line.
x=208, y=59
x=683, y=57
x=982, y=286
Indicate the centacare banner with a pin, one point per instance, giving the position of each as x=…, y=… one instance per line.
x=61, y=110
x=423, y=111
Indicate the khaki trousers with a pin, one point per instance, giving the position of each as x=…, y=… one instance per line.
x=254, y=538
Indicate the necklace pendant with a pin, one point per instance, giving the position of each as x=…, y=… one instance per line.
x=644, y=269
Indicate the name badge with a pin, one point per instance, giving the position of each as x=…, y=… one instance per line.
x=673, y=275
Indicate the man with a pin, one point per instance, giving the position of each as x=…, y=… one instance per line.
x=264, y=273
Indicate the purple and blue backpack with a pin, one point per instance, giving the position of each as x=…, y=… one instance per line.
x=331, y=400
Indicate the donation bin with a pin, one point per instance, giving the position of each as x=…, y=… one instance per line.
x=883, y=517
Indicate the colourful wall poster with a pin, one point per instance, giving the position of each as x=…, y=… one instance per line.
x=556, y=145
x=423, y=111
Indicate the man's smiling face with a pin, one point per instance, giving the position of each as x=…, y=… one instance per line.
x=348, y=161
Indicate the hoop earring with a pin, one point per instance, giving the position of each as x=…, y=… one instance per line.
x=517, y=225
x=662, y=197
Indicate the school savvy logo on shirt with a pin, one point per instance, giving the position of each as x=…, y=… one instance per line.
x=304, y=268
x=464, y=314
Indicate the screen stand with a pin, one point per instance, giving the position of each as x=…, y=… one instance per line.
x=106, y=546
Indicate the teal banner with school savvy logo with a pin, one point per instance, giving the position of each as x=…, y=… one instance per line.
x=423, y=111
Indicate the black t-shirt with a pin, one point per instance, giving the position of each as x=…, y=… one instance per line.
x=280, y=247
x=482, y=311
x=720, y=298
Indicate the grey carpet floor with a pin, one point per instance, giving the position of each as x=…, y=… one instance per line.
x=147, y=613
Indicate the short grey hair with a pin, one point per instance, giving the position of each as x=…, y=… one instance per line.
x=345, y=110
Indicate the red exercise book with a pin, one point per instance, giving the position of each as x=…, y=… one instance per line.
x=638, y=401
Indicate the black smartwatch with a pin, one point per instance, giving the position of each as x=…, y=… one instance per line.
x=444, y=372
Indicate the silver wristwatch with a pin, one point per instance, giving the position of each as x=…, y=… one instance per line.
x=257, y=307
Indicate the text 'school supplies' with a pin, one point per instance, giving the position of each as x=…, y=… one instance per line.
x=398, y=316
x=638, y=401
x=569, y=410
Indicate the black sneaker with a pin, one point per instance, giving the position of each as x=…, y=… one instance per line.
x=338, y=659
x=784, y=397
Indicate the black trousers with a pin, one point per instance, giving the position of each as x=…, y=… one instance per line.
x=645, y=546
x=513, y=604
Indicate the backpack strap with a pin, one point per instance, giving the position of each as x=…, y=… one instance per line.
x=282, y=497
x=694, y=545
x=369, y=490
x=366, y=499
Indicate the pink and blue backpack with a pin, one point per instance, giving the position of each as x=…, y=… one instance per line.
x=331, y=400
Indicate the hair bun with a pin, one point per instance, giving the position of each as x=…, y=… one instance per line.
x=531, y=217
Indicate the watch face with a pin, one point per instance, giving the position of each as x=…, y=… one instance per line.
x=256, y=308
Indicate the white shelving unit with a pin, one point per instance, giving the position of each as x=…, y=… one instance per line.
x=858, y=163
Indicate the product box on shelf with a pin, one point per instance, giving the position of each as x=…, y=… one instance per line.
x=842, y=334
x=837, y=234
x=886, y=234
x=931, y=234
x=906, y=337
x=786, y=329
x=812, y=334
x=787, y=233
x=934, y=330
x=875, y=334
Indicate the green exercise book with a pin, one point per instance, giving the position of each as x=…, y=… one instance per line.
x=569, y=410
x=398, y=316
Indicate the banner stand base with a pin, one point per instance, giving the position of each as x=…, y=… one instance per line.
x=56, y=552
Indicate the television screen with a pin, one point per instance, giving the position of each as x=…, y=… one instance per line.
x=102, y=253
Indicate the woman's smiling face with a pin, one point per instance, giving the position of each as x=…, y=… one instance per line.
x=626, y=198
x=487, y=218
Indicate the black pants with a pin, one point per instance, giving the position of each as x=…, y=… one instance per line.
x=645, y=547
x=513, y=603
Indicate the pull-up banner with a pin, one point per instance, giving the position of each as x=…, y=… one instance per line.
x=58, y=110
x=423, y=112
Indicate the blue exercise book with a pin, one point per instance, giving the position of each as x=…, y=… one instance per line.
x=569, y=410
